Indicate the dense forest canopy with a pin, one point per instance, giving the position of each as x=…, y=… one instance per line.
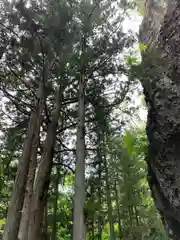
x=73, y=148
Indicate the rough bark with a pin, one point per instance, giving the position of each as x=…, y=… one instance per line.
x=17, y=199
x=55, y=205
x=109, y=201
x=79, y=198
x=78, y=222
x=117, y=209
x=160, y=30
x=44, y=231
x=43, y=175
x=99, y=233
x=30, y=183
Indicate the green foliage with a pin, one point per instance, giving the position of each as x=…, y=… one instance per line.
x=131, y=60
x=139, y=4
x=142, y=47
x=138, y=214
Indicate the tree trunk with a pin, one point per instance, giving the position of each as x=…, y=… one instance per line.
x=99, y=203
x=136, y=215
x=99, y=158
x=79, y=198
x=78, y=222
x=43, y=175
x=109, y=203
x=30, y=183
x=118, y=211
x=45, y=224
x=160, y=30
x=16, y=204
x=55, y=205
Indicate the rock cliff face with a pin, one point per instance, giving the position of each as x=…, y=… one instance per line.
x=160, y=31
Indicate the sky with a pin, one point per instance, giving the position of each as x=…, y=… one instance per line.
x=133, y=24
